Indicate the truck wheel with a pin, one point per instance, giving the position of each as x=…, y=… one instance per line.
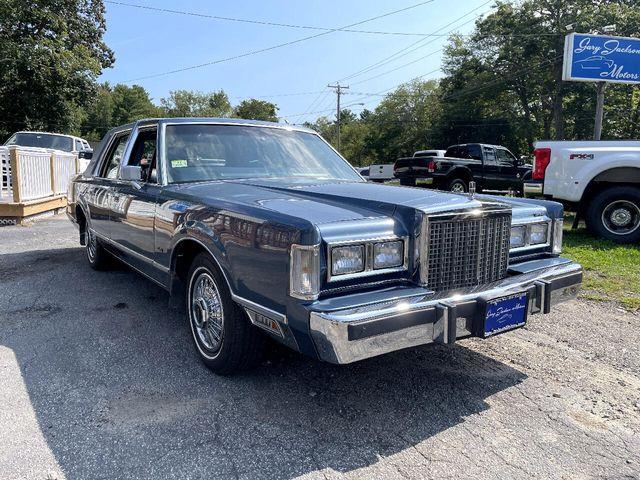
x=223, y=335
x=408, y=182
x=96, y=254
x=457, y=185
x=615, y=214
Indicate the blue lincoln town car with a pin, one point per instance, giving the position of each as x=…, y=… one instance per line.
x=265, y=230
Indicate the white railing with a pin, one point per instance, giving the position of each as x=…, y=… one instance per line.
x=5, y=175
x=33, y=173
x=65, y=166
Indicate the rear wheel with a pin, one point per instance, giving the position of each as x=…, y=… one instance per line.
x=615, y=214
x=457, y=185
x=96, y=254
x=224, y=337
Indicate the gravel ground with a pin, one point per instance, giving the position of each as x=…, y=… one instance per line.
x=98, y=379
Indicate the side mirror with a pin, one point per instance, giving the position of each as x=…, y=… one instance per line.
x=131, y=173
x=85, y=154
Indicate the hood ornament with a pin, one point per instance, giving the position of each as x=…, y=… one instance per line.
x=472, y=190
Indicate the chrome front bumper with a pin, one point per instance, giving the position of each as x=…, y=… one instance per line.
x=353, y=333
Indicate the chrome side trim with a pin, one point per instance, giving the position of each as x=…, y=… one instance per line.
x=133, y=253
x=265, y=322
x=147, y=276
x=261, y=309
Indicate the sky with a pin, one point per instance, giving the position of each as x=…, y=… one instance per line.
x=295, y=77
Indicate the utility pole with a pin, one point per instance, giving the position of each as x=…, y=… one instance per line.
x=597, y=130
x=338, y=88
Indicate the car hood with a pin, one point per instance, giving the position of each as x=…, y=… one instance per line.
x=328, y=202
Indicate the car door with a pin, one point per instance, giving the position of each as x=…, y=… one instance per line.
x=134, y=204
x=97, y=195
x=510, y=176
x=491, y=170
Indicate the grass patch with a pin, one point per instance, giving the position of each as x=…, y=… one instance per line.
x=612, y=271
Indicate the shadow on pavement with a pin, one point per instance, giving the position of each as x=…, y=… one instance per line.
x=118, y=390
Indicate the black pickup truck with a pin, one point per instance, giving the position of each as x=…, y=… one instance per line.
x=491, y=167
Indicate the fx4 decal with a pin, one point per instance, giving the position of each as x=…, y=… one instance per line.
x=581, y=156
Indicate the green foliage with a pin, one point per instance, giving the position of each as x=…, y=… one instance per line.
x=253, y=109
x=50, y=55
x=404, y=121
x=116, y=106
x=187, y=103
x=516, y=80
x=502, y=85
x=611, y=269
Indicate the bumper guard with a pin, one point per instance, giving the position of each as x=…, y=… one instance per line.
x=351, y=334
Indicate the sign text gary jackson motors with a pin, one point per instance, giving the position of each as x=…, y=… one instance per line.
x=601, y=58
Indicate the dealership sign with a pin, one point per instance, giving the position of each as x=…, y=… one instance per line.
x=601, y=58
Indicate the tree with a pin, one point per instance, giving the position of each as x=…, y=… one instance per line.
x=116, y=106
x=187, y=103
x=405, y=120
x=50, y=55
x=253, y=109
x=510, y=72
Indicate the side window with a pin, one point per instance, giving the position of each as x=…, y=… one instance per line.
x=504, y=158
x=114, y=157
x=475, y=152
x=143, y=154
x=79, y=146
x=144, y=150
x=489, y=155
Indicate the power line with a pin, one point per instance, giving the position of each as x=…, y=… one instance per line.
x=396, y=68
x=409, y=48
x=284, y=25
x=453, y=95
x=398, y=54
x=260, y=22
x=280, y=45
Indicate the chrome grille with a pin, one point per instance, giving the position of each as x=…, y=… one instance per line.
x=465, y=252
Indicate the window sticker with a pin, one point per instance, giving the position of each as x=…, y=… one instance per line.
x=178, y=163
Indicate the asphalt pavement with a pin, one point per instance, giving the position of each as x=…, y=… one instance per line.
x=98, y=379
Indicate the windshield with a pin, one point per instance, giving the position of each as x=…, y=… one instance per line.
x=197, y=152
x=43, y=140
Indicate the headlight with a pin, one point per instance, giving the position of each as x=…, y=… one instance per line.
x=538, y=233
x=518, y=236
x=304, y=274
x=348, y=259
x=388, y=255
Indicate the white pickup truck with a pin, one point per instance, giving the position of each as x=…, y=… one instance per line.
x=600, y=180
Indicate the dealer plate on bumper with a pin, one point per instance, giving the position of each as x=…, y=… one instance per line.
x=505, y=313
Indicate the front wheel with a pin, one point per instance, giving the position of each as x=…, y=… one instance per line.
x=615, y=214
x=224, y=337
